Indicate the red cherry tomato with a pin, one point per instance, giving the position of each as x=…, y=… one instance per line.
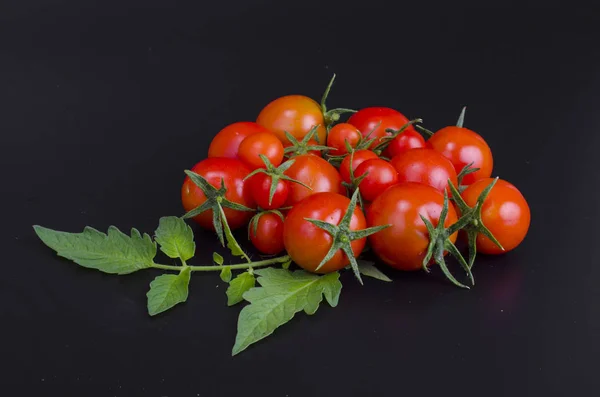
x=314, y=172
x=425, y=166
x=339, y=134
x=296, y=114
x=307, y=244
x=404, y=244
x=408, y=139
x=232, y=172
x=359, y=157
x=268, y=238
x=462, y=146
x=505, y=213
x=227, y=141
x=263, y=143
x=368, y=118
x=260, y=188
x=381, y=175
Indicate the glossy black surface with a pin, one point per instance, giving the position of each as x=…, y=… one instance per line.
x=103, y=105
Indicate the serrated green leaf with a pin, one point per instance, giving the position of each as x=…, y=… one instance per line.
x=282, y=294
x=226, y=274
x=114, y=253
x=168, y=290
x=217, y=258
x=242, y=283
x=368, y=269
x=175, y=237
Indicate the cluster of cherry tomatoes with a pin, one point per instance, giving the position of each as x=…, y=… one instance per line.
x=291, y=173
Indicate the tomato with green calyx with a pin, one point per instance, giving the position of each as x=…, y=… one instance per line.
x=316, y=174
x=217, y=181
x=374, y=177
x=407, y=140
x=263, y=143
x=297, y=114
x=425, y=166
x=339, y=135
x=227, y=141
x=307, y=145
x=374, y=121
x=418, y=215
x=325, y=232
x=356, y=158
x=265, y=231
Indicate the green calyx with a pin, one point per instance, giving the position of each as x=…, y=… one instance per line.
x=470, y=220
x=343, y=236
x=276, y=174
x=332, y=116
x=461, y=119
x=354, y=181
x=298, y=148
x=439, y=242
x=467, y=169
x=385, y=141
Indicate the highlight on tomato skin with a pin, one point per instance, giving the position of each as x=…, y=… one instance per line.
x=227, y=141
x=425, y=166
x=316, y=173
x=264, y=143
x=376, y=120
x=339, y=134
x=505, y=213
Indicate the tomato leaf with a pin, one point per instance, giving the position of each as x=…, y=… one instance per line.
x=368, y=269
x=115, y=252
x=168, y=290
x=282, y=294
x=175, y=238
x=242, y=283
x=226, y=274
x=217, y=258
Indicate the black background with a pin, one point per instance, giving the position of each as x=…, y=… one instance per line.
x=102, y=106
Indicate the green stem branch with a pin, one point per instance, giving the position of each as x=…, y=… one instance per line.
x=240, y=266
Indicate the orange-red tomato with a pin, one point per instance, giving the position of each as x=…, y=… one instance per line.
x=268, y=238
x=314, y=172
x=296, y=114
x=227, y=141
x=339, y=134
x=462, y=146
x=308, y=244
x=380, y=176
x=505, y=213
x=425, y=166
x=359, y=157
x=368, y=118
x=404, y=244
x=263, y=143
x=232, y=172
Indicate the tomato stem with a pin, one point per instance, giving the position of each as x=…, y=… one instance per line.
x=461, y=118
x=239, y=266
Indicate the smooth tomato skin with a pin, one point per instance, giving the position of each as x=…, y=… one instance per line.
x=260, y=143
x=268, y=238
x=462, y=146
x=339, y=134
x=366, y=119
x=425, y=166
x=359, y=157
x=232, y=172
x=381, y=175
x=409, y=139
x=505, y=213
x=404, y=244
x=260, y=187
x=307, y=244
x=227, y=141
x=296, y=114
x=314, y=172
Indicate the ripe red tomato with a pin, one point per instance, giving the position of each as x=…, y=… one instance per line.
x=227, y=141
x=404, y=244
x=308, y=244
x=367, y=119
x=296, y=114
x=381, y=175
x=359, y=157
x=505, y=213
x=425, y=166
x=232, y=172
x=462, y=146
x=263, y=143
x=268, y=238
x=260, y=188
x=408, y=139
x=314, y=172
x=339, y=134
